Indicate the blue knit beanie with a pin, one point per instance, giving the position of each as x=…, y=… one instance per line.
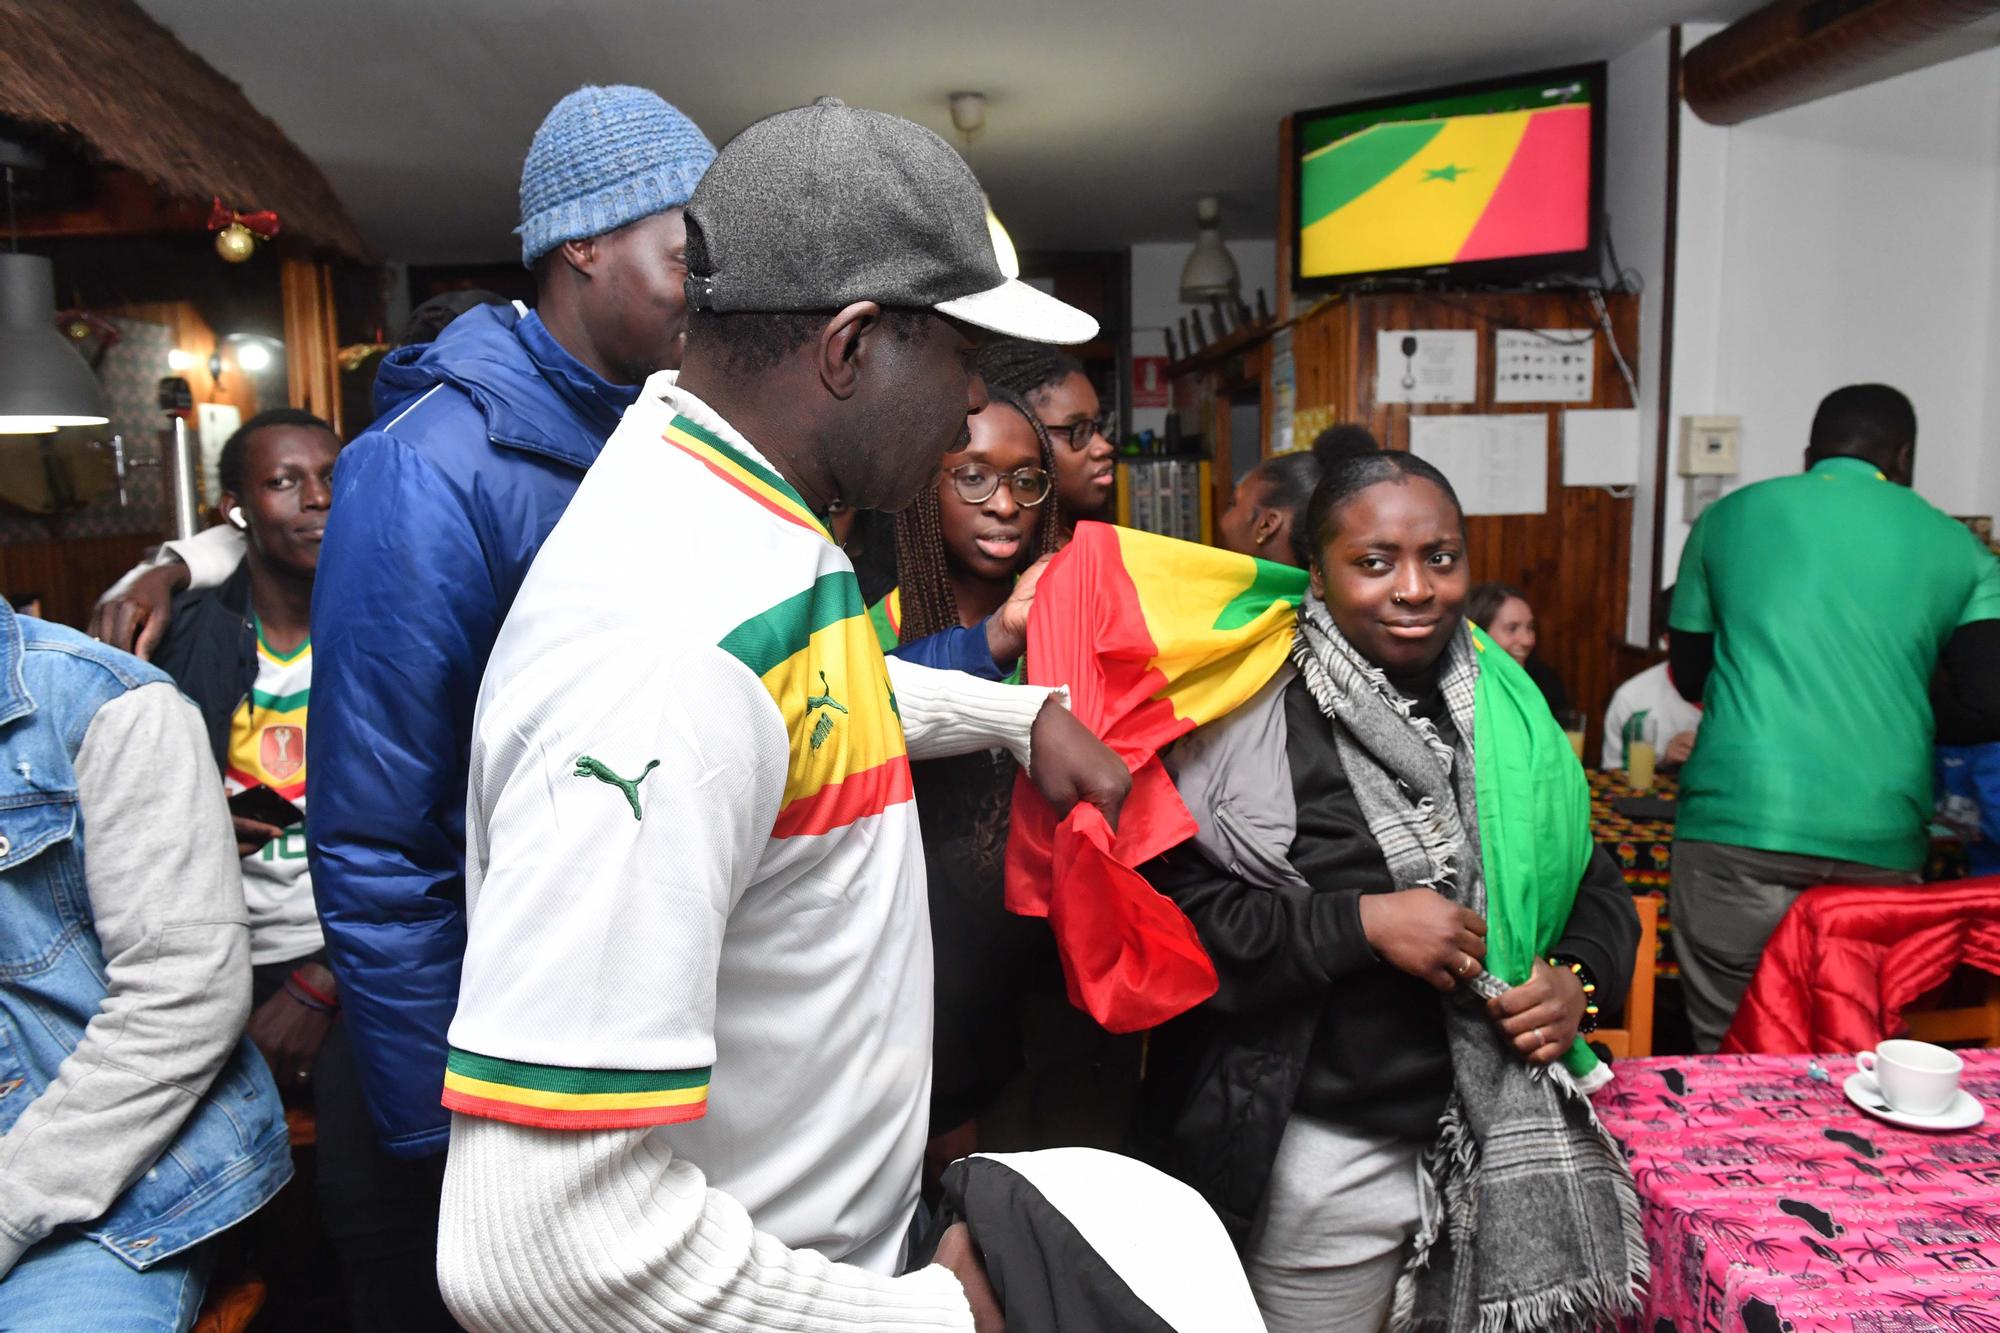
x=604, y=157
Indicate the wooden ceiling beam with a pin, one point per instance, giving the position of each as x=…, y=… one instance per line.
x=1795, y=51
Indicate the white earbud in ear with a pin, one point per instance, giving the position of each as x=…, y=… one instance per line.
x=236, y=518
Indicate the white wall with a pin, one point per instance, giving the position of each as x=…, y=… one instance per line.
x=1635, y=196
x=1856, y=238
x=1156, y=302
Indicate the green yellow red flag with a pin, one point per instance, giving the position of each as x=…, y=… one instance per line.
x=1153, y=637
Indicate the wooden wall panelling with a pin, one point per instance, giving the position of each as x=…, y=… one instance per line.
x=311, y=342
x=69, y=574
x=1572, y=560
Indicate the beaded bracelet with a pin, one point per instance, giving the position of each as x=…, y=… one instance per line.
x=1582, y=974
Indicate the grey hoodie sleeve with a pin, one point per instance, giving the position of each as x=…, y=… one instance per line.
x=166, y=890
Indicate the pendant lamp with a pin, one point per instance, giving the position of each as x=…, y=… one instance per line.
x=1210, y=271
x=45, y=383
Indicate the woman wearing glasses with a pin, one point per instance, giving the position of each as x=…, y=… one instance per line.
x=963, y=555
x=1052, y=382
x=967, y=550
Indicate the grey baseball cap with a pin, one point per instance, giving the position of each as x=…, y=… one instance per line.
x=824, y=205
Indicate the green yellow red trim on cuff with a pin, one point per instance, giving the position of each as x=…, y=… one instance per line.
x=558, y=1097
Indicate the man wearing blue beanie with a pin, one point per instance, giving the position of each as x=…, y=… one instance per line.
x=483, y=437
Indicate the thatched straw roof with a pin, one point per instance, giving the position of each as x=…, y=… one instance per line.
x=105, y=72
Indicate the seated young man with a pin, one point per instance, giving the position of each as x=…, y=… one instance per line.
x=1649, y=708
x=136, y=1122
x=243, y=653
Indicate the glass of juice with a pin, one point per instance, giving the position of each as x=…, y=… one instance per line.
x=1639, y=759
x=1572, y=725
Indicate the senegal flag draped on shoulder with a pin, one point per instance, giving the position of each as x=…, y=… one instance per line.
x=1153, y=637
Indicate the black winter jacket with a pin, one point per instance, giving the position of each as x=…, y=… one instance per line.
x=1306, y=1017
x=211, y=652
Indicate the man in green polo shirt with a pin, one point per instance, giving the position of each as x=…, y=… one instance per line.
x=1812, y=615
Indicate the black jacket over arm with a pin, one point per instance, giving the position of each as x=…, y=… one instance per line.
x=1306, y=1017
x=211, y=652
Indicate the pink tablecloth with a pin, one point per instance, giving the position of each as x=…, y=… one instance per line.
x=1772, y=1205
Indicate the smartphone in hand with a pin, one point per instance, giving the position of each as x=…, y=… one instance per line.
x=266, y=807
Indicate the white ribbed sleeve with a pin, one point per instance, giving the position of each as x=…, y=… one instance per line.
x=605, y=1231
x=948, y=712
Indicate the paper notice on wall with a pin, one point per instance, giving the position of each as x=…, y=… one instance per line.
x=1437, y=366
x=1497, y=464
x=1600, y=448
x=1544, y=365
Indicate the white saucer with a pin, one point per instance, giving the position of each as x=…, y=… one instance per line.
x=1964, y=1112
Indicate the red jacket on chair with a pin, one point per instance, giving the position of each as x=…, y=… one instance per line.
x=1842, y=965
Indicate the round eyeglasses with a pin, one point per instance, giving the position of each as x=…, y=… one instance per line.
x=1078, y=434
x=976, y=483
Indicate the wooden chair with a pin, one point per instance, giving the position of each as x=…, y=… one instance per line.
x=302, y=1126
x=1978, y=1022
x=1636, y=1037
x=232, y=1307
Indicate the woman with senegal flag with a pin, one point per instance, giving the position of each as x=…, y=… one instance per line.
x=1395, y=880
x=1391, y=917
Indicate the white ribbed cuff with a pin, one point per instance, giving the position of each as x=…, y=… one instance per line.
x=211, y=555
x=948, y=713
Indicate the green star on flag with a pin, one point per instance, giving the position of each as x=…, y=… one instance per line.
x=1449, y=172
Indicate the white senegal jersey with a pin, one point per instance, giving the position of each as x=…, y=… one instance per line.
x=695, y=883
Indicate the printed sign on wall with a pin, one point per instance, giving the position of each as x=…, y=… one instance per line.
x=1437, y=366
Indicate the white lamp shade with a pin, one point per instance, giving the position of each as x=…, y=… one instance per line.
x=44, y=381
x=1210, y=271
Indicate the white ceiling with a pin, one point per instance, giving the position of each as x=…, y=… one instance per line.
x=1105, y=121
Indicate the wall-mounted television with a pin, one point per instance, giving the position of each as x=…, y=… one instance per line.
x=1498, y=181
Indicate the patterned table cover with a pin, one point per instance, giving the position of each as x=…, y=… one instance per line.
x=1642, y=848
x=1773, y=1205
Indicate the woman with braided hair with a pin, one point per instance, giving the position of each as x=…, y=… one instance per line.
x=1067, y=407
x=967, y=553
x=965, y=548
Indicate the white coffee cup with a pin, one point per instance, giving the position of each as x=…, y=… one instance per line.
x=1915, y=1077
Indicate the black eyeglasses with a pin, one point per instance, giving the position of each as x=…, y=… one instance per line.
x=976, y=483
x=1078, y=434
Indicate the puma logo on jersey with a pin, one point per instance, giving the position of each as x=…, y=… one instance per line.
x=824, y=726
x=586, y=767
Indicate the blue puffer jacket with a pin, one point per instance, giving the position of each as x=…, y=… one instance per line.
x=1969, y=794
x=438, y=510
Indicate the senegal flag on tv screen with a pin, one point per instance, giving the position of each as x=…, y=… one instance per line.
x=1452, y=180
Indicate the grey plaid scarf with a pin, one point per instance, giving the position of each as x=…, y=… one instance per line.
x=1530, y=1219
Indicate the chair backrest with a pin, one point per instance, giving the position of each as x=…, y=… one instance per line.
x=1979, y=1022
x=1636, y=1037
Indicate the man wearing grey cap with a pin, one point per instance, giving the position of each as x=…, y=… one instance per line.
x=691, y=1060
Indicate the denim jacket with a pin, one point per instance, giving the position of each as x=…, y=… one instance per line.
x=232, y=1154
